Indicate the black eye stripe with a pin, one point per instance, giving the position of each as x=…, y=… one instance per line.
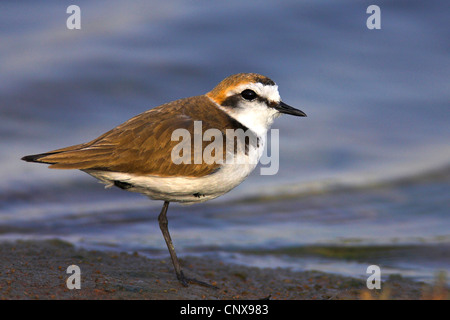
x=232, y=101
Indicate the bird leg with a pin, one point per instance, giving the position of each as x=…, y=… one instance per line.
x=163, y=225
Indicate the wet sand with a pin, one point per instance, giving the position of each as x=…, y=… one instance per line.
x=37, y=270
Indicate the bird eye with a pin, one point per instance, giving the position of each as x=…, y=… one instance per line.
x=248, y=94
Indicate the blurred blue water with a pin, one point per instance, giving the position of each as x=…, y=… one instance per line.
x=377, y=104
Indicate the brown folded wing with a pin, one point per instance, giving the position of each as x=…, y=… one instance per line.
x=143, y=144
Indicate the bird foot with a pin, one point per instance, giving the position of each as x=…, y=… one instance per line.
x=185, y=281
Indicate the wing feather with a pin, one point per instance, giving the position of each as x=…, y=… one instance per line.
x=143, y=145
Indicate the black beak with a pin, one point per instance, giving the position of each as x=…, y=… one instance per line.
x=284, y=108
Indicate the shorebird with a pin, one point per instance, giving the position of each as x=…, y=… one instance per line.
x=138, y=154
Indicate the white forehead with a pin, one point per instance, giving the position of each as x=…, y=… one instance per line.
x=270, y=92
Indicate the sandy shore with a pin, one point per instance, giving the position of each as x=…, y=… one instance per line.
x=37, y=270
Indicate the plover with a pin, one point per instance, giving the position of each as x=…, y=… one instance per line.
x=138, y=154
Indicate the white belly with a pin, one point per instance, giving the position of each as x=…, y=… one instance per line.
x=187, y=189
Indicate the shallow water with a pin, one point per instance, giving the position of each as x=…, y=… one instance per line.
x=363, y=180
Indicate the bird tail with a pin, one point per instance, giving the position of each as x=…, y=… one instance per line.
x=61, y=158
x=37, y=158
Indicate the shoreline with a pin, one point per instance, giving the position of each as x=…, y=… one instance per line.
x=37, y=270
